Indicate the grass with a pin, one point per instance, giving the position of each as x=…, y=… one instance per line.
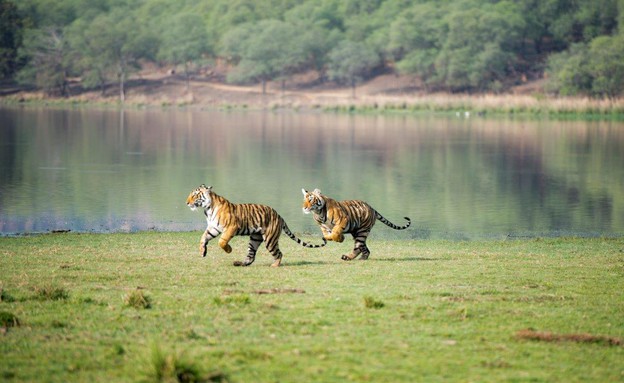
x=539, y=310
x=465, y=106
x=138, y=300
x=50, y=293
x=537, y=105
x=176, y=367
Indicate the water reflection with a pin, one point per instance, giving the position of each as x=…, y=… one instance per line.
x=107, y=170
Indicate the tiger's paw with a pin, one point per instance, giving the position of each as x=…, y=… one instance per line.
x=347, y=257
x=246, y=262
x=227, y=248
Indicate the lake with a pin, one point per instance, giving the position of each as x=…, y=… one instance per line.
x=457, y=177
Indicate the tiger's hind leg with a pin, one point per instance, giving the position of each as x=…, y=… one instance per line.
x=255, y=240
x=360, y=247
x=273, y=246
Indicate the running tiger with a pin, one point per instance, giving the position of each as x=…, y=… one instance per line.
x=260, y=222
x=353, y=217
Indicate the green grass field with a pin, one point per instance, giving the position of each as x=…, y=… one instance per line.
x=146, y=307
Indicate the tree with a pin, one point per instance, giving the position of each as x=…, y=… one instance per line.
x=116, y=44
x=263, y=51
x=11, y=29
x=183, y=41
x=606, y=65
x=319, y=29
x=48, y=60
x=93, y=61
x=595, y=69
x=416, y=38
x=568, y=72
x=350, y=62
x=478, y=53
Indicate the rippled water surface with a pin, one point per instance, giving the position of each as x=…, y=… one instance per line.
x=111, y=170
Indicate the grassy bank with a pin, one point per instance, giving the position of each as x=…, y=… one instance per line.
x=146, y=307
x=369, y=100
x=473, y=105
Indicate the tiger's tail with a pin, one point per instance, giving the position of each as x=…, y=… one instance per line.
x=390, y=224
x=299, y=241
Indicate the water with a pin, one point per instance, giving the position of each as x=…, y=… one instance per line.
x=110, y=170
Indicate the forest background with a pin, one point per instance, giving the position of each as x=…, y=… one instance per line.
x=64, y=47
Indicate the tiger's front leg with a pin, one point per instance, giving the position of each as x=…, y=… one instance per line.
x=225, y=238
x=335, y=235
x=205, y=238
x=332, y=234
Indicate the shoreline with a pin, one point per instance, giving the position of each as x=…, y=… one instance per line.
x=375, y=97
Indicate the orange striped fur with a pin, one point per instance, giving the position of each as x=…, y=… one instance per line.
x=260, y=222
x=345, y=217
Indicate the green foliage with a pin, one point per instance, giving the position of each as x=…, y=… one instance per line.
x=8, y=319
x=5, y=296
x=606, y=65
x=596, y=69
x=264, y=51
x=11, y=30
x=48, y=59
x=350, y=62
x=467, y=45
x=568, y=72
x=478, y=50
x=184, y=40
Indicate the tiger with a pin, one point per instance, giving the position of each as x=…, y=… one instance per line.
x=339, y=217
x=260, y=222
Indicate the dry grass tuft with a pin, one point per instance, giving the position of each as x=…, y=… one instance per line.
x=8, y=319
x=138, y=300
x=173, y=367
x=51, y=293
x=371, y=303
x=546, y=336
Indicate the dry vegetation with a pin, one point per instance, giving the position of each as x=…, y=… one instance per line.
x=384, y=93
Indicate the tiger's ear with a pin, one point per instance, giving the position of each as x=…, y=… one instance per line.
x=317, y=191
x=304, y=191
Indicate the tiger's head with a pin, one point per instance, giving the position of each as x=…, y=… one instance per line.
x=312, y=201
x=200, y=197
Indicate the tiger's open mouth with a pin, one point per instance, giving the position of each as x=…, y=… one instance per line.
x=305, y=210
x=193, y=207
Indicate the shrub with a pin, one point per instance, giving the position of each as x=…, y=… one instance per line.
x=174, y=367
x=5, y=297
x=233, y=300
x=371, y=303
x=51, y=293
x=138, y=300
x=8, y=319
